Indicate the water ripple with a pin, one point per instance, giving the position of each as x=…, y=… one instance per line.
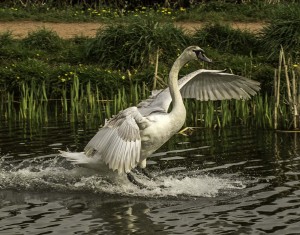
x=236, y=181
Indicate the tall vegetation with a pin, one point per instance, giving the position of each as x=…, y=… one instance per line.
x=132, y=3
x=43, y=75
x=121, y=10
x=283, y=31
x=142, y=38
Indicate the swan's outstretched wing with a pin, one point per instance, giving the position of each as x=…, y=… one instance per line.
x=209, y=85
x=118, y=143
x=203, y=85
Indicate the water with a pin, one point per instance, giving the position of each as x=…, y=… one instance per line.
x=231, y=181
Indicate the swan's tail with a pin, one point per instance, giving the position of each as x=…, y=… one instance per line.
x=78, y=158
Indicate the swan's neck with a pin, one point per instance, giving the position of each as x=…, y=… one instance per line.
x=178, y=110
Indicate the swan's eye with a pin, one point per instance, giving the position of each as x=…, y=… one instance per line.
x=198, y=51
x=200, y=55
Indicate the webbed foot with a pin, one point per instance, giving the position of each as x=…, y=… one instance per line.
x=131, y=178
x=143, y=171
x=146, y=173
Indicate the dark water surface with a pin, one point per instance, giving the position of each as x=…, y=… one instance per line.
x=231, y=181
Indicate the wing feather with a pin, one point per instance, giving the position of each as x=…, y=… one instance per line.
x=203, y=85
x=217, y=85
x=118, y=143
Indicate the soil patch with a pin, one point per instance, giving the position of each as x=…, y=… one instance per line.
x=20, y=29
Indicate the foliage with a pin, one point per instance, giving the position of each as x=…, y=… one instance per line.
x=143, y=38
x=103, y=10
x=6, y=39
x=224, y=38
x=43, y=39
x=283, y=31
x=84, y=77
x=9, y=48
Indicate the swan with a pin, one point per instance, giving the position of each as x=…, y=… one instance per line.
x=131, y=136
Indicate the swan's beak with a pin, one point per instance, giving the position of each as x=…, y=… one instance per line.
x=202, y=56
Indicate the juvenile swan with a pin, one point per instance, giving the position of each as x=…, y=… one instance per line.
x=127, y=139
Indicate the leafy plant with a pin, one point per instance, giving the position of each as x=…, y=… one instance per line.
x=135, y=45
x=43, y=39
x=6, y=39
x=282, y=31
x=224, y=38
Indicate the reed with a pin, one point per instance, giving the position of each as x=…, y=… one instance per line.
x=7, y=108
x=74, y=98
x=286, y=93
x=84, y=102
x=256, y=112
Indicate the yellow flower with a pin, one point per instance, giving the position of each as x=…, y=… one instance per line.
x=129, y=73
x=295, y=65
x=123, y=77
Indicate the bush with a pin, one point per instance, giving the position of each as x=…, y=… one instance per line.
x=134, y=45
x=283, y=30
x=43, y=39
x=6, y=39
x=226, y=39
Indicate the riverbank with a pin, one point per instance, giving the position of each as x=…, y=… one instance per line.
x=20, y=29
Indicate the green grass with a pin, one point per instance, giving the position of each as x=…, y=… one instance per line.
x=43, y=39
x=282, y=31
x=211, y=11
x=226, y=39
x=44, y=76
x=142, y=38
x=86, y=104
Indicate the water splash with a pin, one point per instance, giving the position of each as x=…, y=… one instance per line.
x=55, y=174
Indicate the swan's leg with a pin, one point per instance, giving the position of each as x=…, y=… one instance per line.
x=142, y=169
x=131, y=178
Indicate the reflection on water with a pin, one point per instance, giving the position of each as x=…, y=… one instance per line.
x=233, y=181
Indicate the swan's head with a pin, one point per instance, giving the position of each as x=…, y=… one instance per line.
x=197, y=53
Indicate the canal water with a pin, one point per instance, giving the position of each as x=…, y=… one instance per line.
x=229, y=181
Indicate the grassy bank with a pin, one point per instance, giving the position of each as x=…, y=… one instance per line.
x=83, y=11
x=43, y=75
